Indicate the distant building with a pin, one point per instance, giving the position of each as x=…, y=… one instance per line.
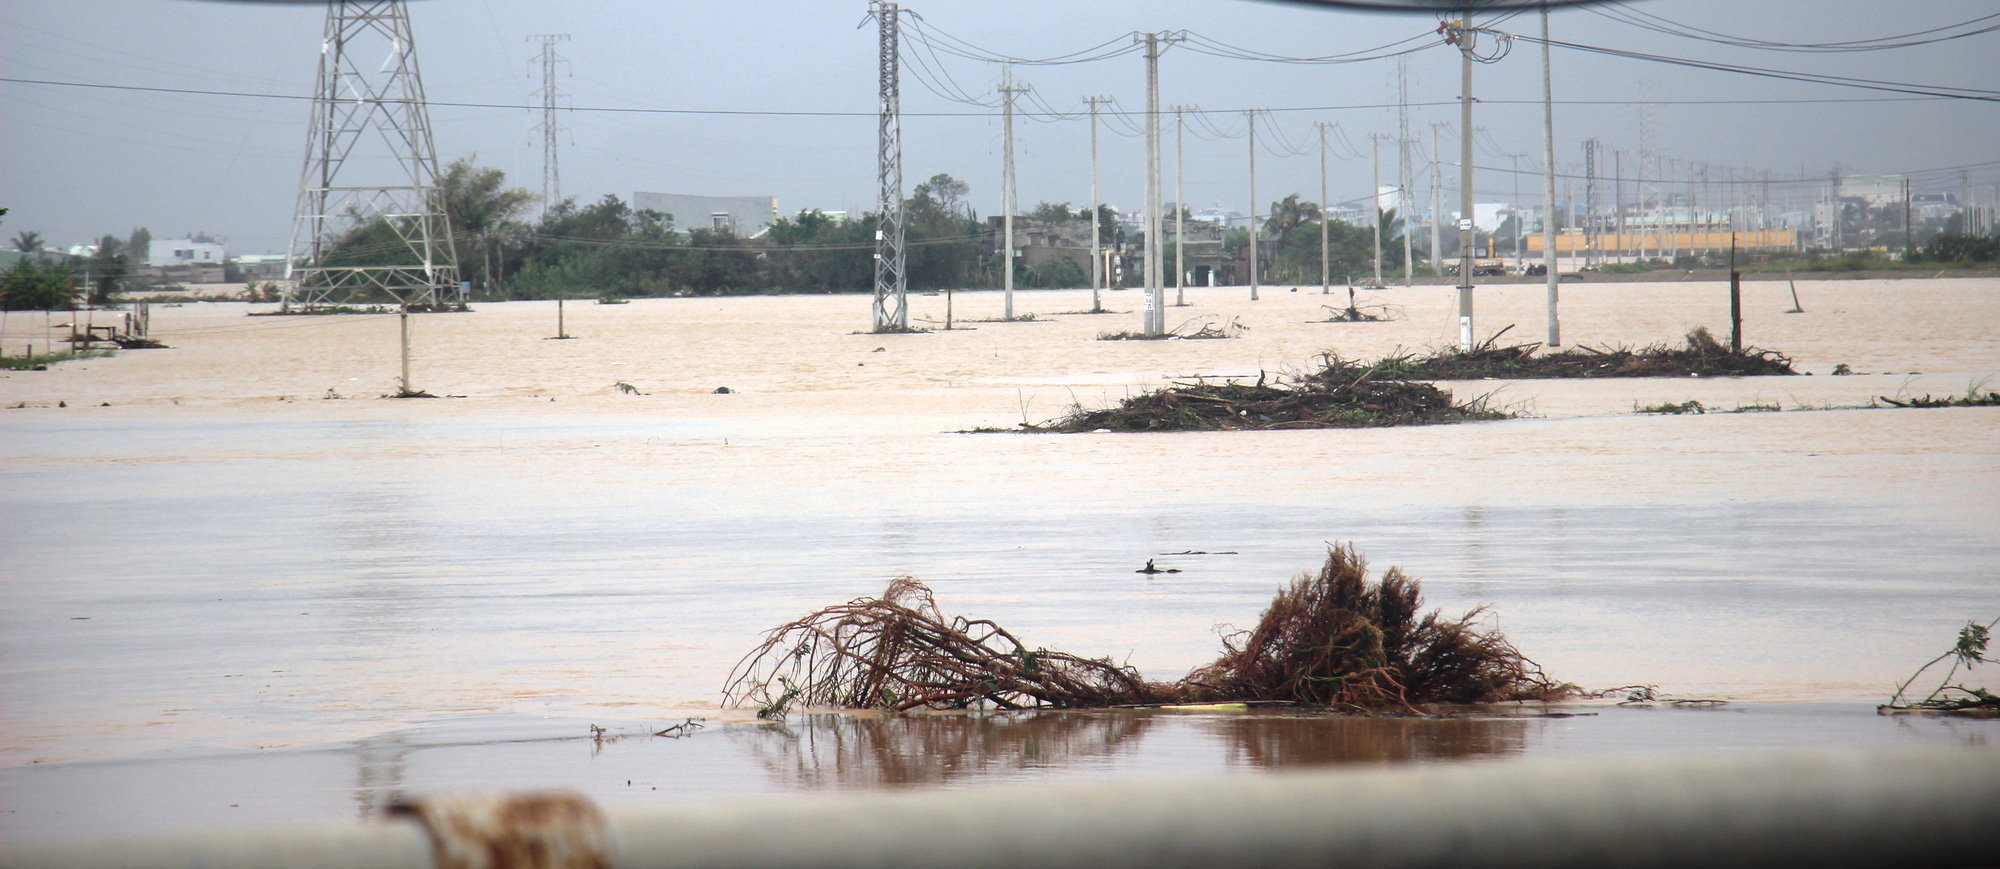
x=1876, y=189
x=1354, y=214
x=1039, y=242
x=187, y=261
x=184, y=251
x=746, y=216
x=261, y=267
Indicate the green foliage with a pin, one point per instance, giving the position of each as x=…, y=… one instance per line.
x=1956, y=247
x=107, y=269
x=1058, y=273
x=1689, y=406
x=822, y=254
x=30, y=286
x=28, y=242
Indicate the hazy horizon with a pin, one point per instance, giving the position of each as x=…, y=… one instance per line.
x=79, y=162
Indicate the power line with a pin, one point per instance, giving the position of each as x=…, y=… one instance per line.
x=775, y=113
x=1624, y=13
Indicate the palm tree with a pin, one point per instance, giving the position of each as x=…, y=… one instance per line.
x=1288, y=216
x=28, y=242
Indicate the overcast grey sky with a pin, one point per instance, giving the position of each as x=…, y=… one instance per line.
x=75, y=163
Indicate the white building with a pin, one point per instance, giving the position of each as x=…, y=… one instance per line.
x=184, y=252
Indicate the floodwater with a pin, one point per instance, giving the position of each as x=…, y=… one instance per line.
x=227, y=576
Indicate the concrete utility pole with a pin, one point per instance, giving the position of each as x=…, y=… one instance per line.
x=551, y=177
x=1325, y=283
x=891, y=310
x=1180, y=213
x=1250, y=118
x=1437, y=203
x=1096, y=243
x=1375, y=195
x=1590, y=202
x=1466, y=240
x=1549, y=184
x=1156, y=309
x=1515, y=205
x=1407, y=182
x=1008, y=92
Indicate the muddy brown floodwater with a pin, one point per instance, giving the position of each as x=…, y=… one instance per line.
x=247, y=589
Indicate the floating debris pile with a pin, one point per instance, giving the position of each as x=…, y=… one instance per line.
x=1332, y=640
x=1340, y=394
x=1699, y=355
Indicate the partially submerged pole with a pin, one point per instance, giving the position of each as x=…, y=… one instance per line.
x=1466, y=228
x=1549, y=186
x=1735, y=300
x=407, y=388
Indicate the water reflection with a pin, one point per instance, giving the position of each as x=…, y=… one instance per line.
x=845, y=751
x=814, y=751
x=1271, y=742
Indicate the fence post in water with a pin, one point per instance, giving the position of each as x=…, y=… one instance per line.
x=1735, y=299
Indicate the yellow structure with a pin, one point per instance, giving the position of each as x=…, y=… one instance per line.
x=1572, y=242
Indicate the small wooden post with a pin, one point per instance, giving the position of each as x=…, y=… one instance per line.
x=1735, y=300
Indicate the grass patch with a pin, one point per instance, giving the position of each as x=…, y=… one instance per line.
x=1689, y=406
x=1331, y=639
x=42, y=361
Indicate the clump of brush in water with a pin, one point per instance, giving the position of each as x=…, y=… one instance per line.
x=1700, y=354
x=900, y=652
x=1335, y=639
x=1340, y=394
x=1331, y=640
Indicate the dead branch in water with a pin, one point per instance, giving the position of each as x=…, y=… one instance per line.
x=1968, y=652
x=899, y=652
x=1330, y=639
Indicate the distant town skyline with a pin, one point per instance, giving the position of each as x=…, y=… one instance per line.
x=80, y=162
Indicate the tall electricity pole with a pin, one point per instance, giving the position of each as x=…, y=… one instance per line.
x=547, y=93
x=1408, y=181
x=1375, y=195
x=1156, y=309
x=1325, y=282
x=1437, y=202
x=1590, y=202
x=891, y=309
x=369, y=157
x=1515, y=205
x=1008, y=92
x=1549, y=184
x=1096, y=243
x=1180, y=212
x=1250, y=118
x=1467, y=241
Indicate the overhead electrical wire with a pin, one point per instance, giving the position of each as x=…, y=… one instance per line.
x=1942, y=91
x=1627, y=14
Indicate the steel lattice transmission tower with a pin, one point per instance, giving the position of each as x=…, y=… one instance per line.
x=370, y=161
x=547, y=93
x=892, y=313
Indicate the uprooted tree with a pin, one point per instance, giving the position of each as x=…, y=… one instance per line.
x=1331, y=639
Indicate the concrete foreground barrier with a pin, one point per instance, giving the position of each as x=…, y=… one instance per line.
x=1907, y=807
